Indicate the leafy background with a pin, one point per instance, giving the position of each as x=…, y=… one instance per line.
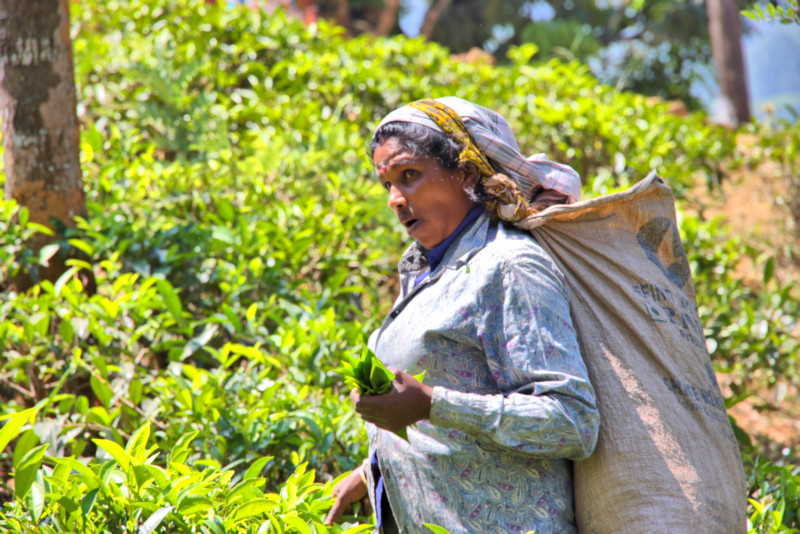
x=240, y=248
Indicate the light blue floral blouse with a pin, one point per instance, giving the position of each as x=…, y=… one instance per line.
x=512, y=402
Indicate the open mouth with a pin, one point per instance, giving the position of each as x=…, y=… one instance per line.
x=409, y=223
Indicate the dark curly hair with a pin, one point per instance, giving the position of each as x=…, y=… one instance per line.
x=423, y=141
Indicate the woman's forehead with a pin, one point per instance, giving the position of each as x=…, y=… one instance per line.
x=391, y=153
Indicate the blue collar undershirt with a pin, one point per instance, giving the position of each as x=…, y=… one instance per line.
x=436, y=255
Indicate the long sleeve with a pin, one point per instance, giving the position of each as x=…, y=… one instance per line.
x=547, y=404
x=512, y=402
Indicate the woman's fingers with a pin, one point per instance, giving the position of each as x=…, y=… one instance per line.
x=408, y=402
x=336, y=511
x=348, y=491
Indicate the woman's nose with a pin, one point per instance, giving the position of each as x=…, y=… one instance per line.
x=396, y=198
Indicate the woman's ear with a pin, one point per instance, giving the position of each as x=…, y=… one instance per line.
x=471, y=175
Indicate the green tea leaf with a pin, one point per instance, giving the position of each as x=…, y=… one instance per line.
x=63, y=279
x=246, y=489
x=47, y=252
x=193, y=503
x=11, y=428
x=26, y=442
x=215, y=526
x=769, y=266
x=358, y=528
x=380, y=376
x=179, y=452
x=89, y=477
x=26, y=472
x=385, y=388
x=35, y=499
x=367, y=373
x=403, y=433
x=103, y=392
x=171, y=300
x=346, y=371
x=226, y=210
x=150, y=526
x=87, y=503
x=137, y=445
x=117, y=452
x=255, y=470
x=297, y=523
x=255, y=507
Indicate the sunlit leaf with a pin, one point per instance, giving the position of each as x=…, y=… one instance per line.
x=226, y=210
x=193, y=503
x=297, y=523
x=171, y=300
x=26, y=442
x=255, y=469
x=436, y=529
x=47, y=252
x=137, y=444
x=87, y=503
x=101, y=389
x=155, y=519
x=35, y=500
x=117, y=452
x=27, y=469
x=11, y=428
x=63, y=279
x=254, y=507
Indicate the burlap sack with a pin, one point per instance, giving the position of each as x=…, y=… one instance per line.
x=666, y=459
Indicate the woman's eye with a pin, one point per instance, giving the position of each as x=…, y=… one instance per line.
x=410, y=174
x=387, y=185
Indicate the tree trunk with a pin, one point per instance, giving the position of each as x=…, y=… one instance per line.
x=388, y=17
x=40, y=123
x=432, y=17
x=724, y=28
x=342, y=16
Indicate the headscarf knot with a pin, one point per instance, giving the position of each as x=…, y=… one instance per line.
x=509, y=179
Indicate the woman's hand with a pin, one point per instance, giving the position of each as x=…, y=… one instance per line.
x=351, y=489
x=408, y=402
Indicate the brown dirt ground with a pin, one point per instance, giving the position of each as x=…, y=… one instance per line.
x=749, y=200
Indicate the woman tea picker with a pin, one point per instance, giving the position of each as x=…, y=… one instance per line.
x=506, y=402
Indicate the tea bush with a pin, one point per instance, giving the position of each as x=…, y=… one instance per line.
x=240, y=248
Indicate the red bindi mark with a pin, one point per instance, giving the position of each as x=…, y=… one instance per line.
x=383, y=168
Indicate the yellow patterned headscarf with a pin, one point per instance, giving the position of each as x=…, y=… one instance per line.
x=516, y=186
x=505, y=200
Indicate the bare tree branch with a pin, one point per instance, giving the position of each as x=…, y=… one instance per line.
x=432, y=17
x=342, y=16
x=724, y=28
x=388, y=17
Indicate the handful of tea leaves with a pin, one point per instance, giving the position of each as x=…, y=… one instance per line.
x=370, y=376
x=367, y=373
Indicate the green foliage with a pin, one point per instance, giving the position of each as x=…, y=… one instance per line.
x=367, y=373
x=775, y=497
x=136, y=487
x=779, y=141
x=16, y=229
x=658, y=47
x=240, y=248
x=749, y=331
x=475, y=23
x=788, y=14
x=567, y=39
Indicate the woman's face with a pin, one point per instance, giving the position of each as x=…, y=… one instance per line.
x=429, y=200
